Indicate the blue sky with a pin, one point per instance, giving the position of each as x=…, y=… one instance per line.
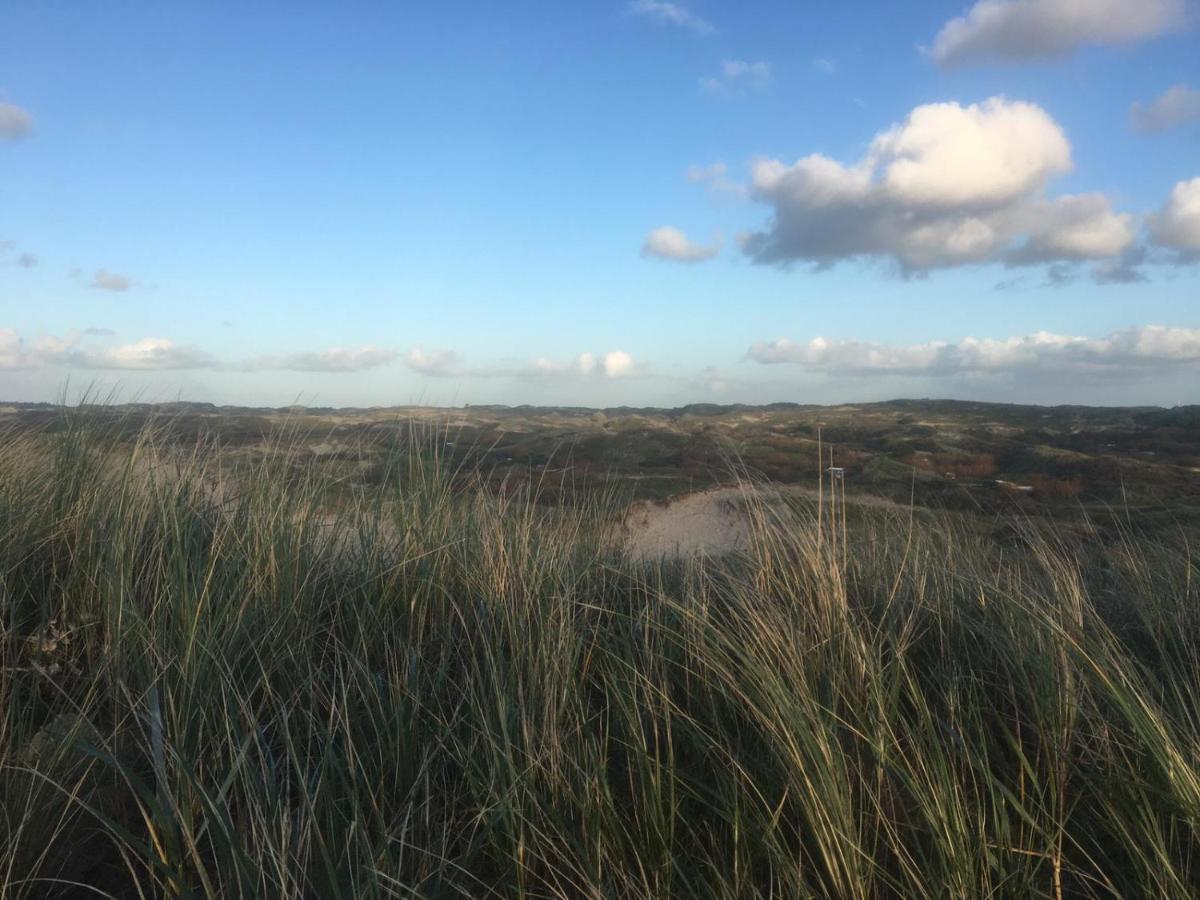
x=382, y=204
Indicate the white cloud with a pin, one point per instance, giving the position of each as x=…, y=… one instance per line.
x=436, y=363
x=1023, y=30
x=335, y=359
x=672, y=244
x=12, y=350
x=618, y=364
x=1177, y=105
x=1074, y=228
x=104, y=280
x=614, y=364
x=738, y=75
x=1177, y=225
x=671, y=14
x=951, y=185
x=146, y=354
x=1129, y=350
x=14, y=122
x=824, y=65
x=977, y=156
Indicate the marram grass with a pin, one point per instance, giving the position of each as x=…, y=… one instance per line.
x=213, y=683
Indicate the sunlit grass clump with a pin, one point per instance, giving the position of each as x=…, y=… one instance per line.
x=214, y=684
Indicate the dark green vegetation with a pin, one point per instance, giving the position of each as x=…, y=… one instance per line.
x=263, y=669
x=953, y=455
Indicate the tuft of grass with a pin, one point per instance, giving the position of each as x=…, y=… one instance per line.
x=213, y=683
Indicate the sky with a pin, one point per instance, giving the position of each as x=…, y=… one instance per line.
x=601, y=203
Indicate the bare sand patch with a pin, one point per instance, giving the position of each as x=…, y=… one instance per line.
x=711, y=522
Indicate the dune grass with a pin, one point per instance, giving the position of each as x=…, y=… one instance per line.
x=211, y=686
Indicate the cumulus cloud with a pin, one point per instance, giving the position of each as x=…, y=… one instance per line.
x=1177, y=225
x=672, y=244
x=1073, y=228
x=1025, y=30
x=618, y=364
x=614, y=364
x=335, y=359
x=104, y=280
x=671, y=14
x=584, y=364
x=1176, y=106
x=737, y=75
x=436, y=363
x=1128, y=350
x=14, y=122
x=950, y=185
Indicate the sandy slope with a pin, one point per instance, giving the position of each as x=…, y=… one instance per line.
x=712, y=522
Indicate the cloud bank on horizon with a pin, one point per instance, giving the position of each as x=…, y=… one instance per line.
x=1122, y=352
x=1128, y=351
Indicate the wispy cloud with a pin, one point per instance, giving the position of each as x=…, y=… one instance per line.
x=716, y=178
x=671, y=14
x=1175, y=106
x=15, y=122
x=104, y=280
x=335, y=359
x=672, y=244
x=700, y=174
x=824, y=65
x=737, y=75
x=8, y=250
